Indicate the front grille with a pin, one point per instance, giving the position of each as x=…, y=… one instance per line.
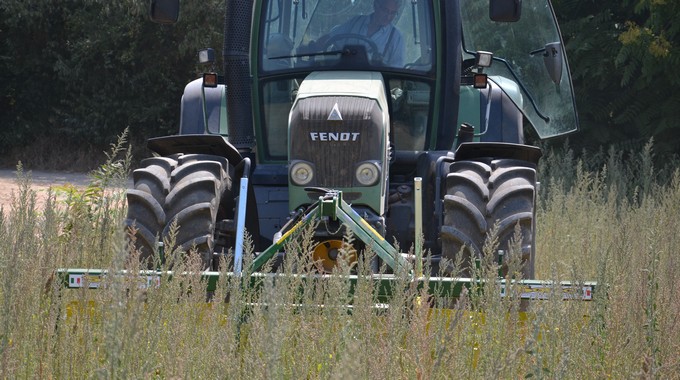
x=336, y=146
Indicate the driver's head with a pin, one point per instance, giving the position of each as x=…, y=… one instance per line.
x=385, y=11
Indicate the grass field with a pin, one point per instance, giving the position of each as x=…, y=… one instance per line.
x=607, y=219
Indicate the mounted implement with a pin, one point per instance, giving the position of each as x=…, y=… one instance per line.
x=399, y=122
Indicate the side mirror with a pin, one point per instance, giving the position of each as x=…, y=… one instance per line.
x=505, y=10
x=164, y=11
x=552, y=58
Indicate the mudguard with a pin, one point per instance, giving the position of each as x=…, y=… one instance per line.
x=469, y=151
x=201, y=110
x=200, y=144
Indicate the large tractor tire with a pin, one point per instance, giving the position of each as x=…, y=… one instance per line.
x=481, y=194
x=194, y=189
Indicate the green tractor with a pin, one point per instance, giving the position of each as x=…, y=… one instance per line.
x=402, y=122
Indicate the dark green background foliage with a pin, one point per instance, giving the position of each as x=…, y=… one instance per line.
x=624, y=57
x=79, y=72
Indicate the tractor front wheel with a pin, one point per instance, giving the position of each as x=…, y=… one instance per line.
x=193, y=189
x=485, y=195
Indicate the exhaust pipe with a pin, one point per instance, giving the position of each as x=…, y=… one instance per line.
x=237, y=24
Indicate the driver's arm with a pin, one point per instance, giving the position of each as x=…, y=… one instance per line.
x=396, y=51
x=320, y=42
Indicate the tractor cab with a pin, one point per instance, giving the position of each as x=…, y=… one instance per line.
x=296, y=38
x=415, y=47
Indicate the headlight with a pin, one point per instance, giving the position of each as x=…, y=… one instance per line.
x=301, y=173
x=368, y=173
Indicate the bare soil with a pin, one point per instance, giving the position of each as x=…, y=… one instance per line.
x=40, y=181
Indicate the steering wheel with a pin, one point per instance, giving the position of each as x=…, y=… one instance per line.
x=373, y=50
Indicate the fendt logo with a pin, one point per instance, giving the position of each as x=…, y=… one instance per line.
x=334, y=136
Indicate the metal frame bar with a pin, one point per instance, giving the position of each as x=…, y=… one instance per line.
x=332, y=206
x=76, y=278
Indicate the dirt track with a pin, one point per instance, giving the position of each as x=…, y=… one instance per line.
x=40, y=182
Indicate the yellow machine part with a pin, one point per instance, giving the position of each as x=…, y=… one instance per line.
x=326, y=255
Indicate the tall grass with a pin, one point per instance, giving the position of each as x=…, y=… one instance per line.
x=604, y=224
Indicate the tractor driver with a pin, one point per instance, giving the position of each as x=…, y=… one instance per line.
x=377, y=27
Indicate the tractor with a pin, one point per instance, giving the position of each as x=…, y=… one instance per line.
x=413, y=139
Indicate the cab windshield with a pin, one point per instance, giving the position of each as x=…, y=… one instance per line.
x=530, y=54
x=393, y=37
x=352, y=34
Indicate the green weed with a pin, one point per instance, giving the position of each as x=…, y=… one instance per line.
x=595, y=227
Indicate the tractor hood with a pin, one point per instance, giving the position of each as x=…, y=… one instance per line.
x=365, y=84
x=338, y=137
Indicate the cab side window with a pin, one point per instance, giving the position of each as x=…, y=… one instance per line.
x=410, y=113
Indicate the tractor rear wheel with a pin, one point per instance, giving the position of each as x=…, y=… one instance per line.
x=484, y=193
x=194, y=189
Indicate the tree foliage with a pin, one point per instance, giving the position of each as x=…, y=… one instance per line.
x=624, y=57
x=81, y=71
x=84, y=70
